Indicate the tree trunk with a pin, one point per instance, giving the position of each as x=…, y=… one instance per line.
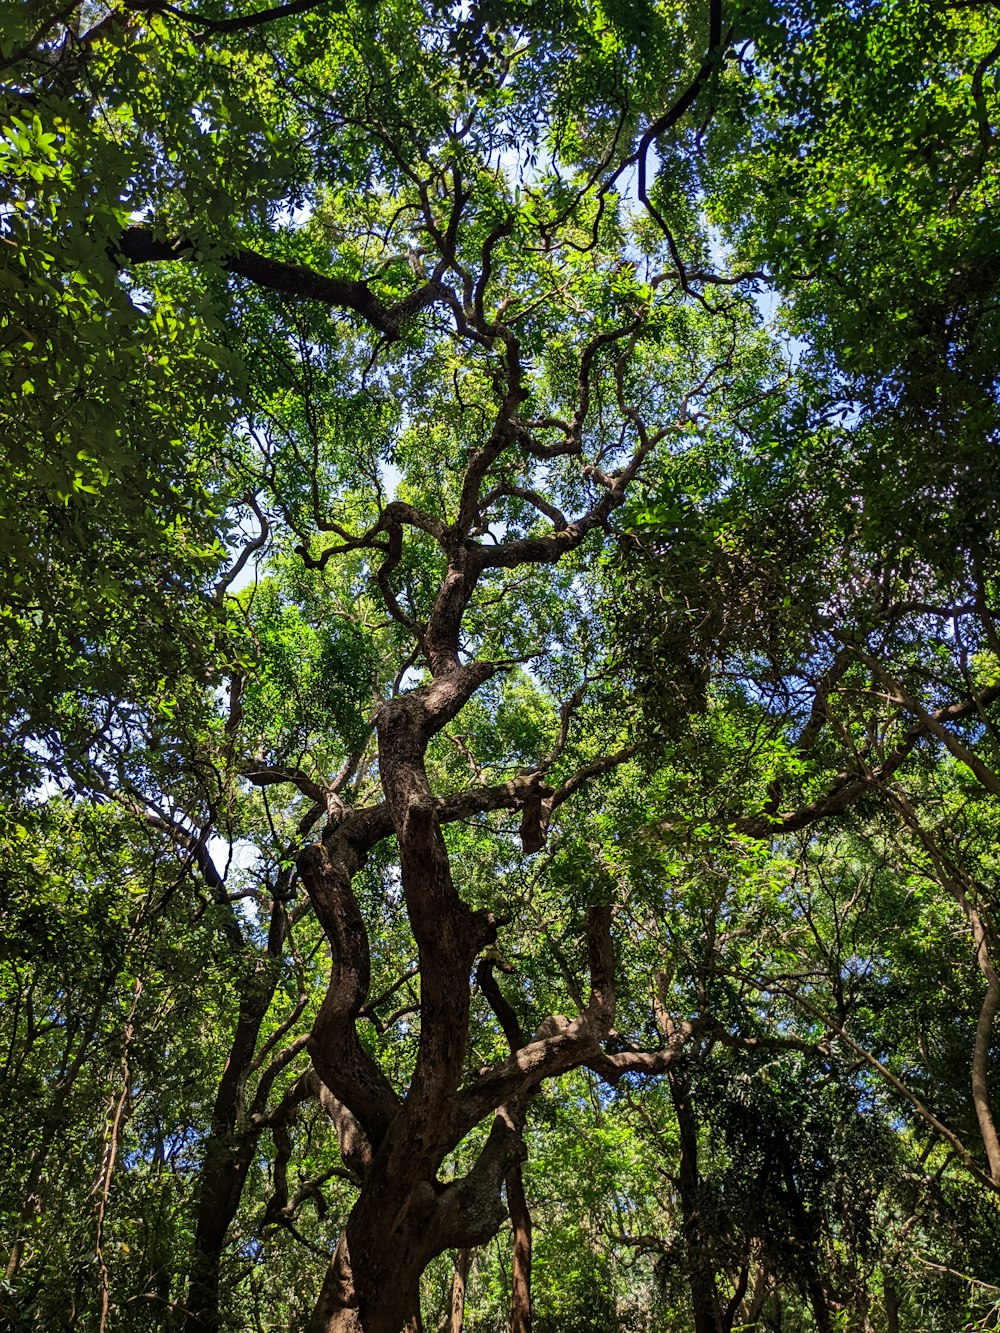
x=983, y=1040
x=228, y=1149
x=114, y=1122
x=520, y=1294
x=701, y=1276
x=404, y=1216
x=391, y=1305
x=456, y=1306
x=956, y=882
x=891, y=1296
x=223, y=1174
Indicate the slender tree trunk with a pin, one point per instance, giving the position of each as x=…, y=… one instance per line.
x=983, y=1039
x=701, y=1276
x=52, y=1129
x=728, y=1317
x=517, y=1204
x=229, y=1149
x=116, y=1116
x=775, y=1318
x=806, y=1239
x=456, y=1306
x=520, y=1294
x=891, y=1296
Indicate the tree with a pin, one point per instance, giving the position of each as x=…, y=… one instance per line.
x=504, y=445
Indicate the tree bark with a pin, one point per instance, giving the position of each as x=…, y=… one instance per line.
x=227, y=1157
x=404, y=1215
x=396, y=1226
x=229, y=1149
x=982, y=1042
x=116, y=1116
x=701, y=1275
x=520, y=1217
x=891, y=1297
x=456, y=1305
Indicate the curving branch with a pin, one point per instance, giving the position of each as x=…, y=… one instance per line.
x=43, y=30
x=561, y=1044
x=342, y=1063
x=848, y=788
x=271, y=776
x=239, y=23
x=933, y=725
x=141, y=245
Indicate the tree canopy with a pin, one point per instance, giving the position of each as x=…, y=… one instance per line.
x=501, y=522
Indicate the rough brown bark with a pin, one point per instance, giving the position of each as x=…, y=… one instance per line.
x=456, y=1303
x=983, y=1040
x=517, y=1204
x=520, y=1217
x=399, y=1221
x=404, y=1216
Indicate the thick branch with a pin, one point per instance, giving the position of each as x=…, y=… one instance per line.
x=517, y=1203
x=612, y=1068
x=269, y=777
x=241, y=23
x=139, y=245
x=341, y=1061
x=505, y=1015
x=471, y=1210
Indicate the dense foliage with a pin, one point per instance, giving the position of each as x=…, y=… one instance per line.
x=500, y=529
